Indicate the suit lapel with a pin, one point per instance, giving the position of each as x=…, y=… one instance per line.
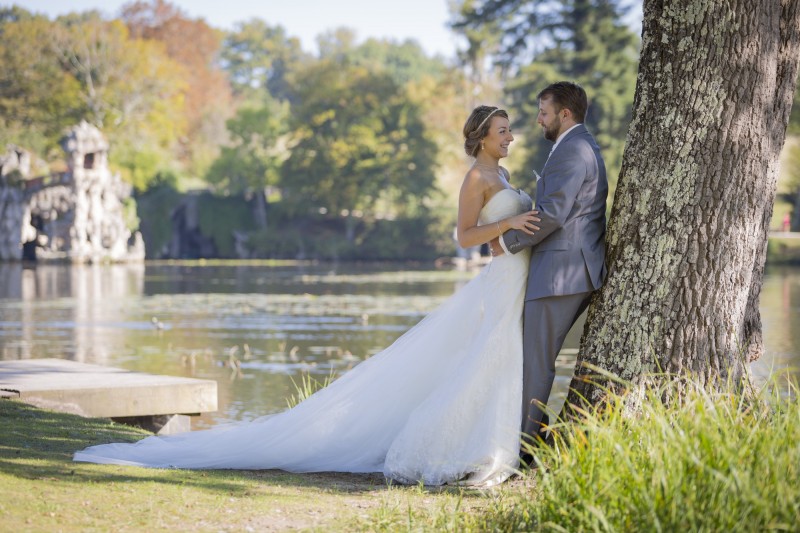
x=541, y=180
x=579, y=129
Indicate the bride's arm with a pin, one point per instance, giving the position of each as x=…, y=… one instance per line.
x=470, y=202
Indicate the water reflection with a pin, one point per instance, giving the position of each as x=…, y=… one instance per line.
x=65, y=312
x=253, y=328
x=780, y=315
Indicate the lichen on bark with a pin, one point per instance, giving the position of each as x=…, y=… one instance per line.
x=687, y=234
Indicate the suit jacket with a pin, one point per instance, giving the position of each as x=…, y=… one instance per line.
x=568, y=255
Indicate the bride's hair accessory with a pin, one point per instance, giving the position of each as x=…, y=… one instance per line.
x=495, y=110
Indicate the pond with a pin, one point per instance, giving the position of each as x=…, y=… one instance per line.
x=257, y=328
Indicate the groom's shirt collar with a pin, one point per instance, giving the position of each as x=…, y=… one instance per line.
x=561, y=137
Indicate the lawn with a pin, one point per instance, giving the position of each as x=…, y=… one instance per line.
x=707, y=461
x=41, y=489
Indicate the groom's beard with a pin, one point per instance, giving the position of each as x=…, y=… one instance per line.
x=551, y=132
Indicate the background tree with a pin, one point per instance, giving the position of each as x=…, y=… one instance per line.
x=688, y=232
x=250, y=164
x=127, y=87
x=194, y=45
x=252, y=160
x=38, y=99
x=405, y=62
x=483, y=40
x=542, y=41
x=360, y=143
x=258, y=58
x=444, y=97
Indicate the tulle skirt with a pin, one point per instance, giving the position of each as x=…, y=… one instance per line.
x=440, y=405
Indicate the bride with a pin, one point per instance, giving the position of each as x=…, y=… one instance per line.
x=440, y=405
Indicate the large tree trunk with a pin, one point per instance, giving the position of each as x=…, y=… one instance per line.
x=688, y=232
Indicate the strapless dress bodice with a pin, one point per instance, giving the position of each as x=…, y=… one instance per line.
x=505, y=203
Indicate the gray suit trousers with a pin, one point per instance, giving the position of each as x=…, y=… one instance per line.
x=546, y=324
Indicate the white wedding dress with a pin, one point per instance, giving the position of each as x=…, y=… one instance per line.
x=442, y=404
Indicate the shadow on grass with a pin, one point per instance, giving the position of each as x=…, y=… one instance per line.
x=38, y=445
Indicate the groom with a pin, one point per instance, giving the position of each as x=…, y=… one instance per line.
x=568, y=252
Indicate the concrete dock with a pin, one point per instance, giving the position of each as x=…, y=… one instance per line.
x=162, y=404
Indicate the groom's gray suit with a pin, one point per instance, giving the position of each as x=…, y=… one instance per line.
x=567, y=260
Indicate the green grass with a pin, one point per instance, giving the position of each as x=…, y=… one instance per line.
x=41, y=489
x=307, y=386
x=712, y=462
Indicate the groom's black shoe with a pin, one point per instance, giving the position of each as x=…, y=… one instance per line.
x=545, y=438
x=526, y=461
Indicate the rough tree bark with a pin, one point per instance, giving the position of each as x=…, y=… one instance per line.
x=688, y=232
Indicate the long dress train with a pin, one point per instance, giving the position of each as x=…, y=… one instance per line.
x=441, y=404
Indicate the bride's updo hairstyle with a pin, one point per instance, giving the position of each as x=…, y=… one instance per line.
x=477, y=127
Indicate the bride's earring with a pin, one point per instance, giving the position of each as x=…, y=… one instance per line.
x=483, y=146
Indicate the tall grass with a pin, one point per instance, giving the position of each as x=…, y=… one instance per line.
x=713, y=461
x=705, y=461
x=308, y=386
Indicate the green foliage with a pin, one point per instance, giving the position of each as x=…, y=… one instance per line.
x=258, y=58
x=56, y=73
x=220, y=216
x=359, y=139
x=139, y=167
x=353, y=140
x=483, y=42
x=794, y=118
x=302, y=238
x=31, y=139
x=129, y=85
x=783, y=251
x=205, y=95
x=791, y=182
x=707, y=462
x=440, y=90
x=710, y=462
x=308, y=386
x=583, y=40
x=129, y=214
x=404, y=62
x=254, y=157
x=38, y=99
x=418, y=238
x=322, y=237
x=154, y=209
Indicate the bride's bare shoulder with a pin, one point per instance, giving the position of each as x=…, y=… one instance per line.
x=474, y=180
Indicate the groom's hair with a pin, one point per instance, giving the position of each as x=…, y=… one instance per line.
x=569, y=95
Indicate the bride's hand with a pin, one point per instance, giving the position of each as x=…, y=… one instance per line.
x=525, y=222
